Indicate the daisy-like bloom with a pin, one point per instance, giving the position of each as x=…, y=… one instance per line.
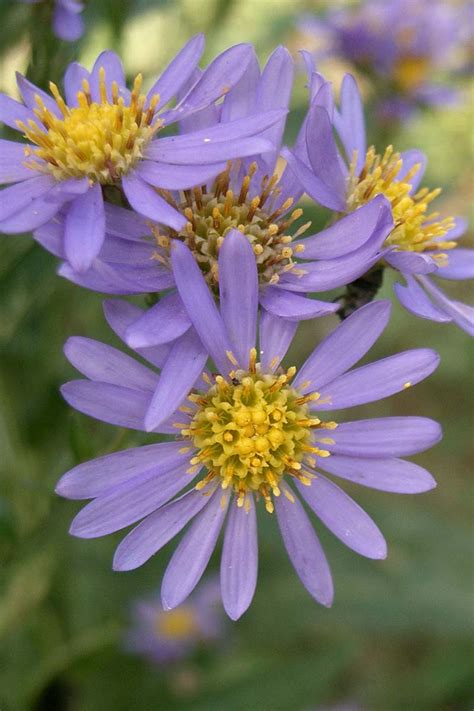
x=246, y=431
x=167, y=636
x=68, y=24
x=421, y=242
x=249, y=196
x=399, y=45
x=103, y=137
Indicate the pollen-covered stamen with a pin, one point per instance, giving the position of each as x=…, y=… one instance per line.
x=253, y=430
x=415, y=229
x=98, y=140
x=211, y=213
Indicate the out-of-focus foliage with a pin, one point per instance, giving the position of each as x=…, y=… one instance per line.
x=399, y=635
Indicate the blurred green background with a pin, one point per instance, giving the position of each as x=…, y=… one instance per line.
x=399, y=635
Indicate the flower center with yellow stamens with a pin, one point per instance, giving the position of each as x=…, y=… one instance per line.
x=96, y=140
x=415, y=229
x=211, y=213
x=253, y=430
x=177, y=624
x=410, y=71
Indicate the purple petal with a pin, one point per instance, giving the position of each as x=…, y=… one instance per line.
x=102, y=476
x=239, y=562
x=110, y=403
x=183, y=367
x=460, y=265
x=96, y=281
x=344, y=346
x=164, y=322
x=378, y=380
x=67, y=25
x=275, y=337
x=85, y=229
x=12, y=111
x=287, y=305
x=18, y=197
x=344, y=517
x=411, y=262
x=125, y=223
x=413, y=299
x=384, y=437
x=349, y=233
x=200, y=306
x=12, y=157
x=73, y=78
x=129, y=502
x=350, y=122
x=192, y=554
x=322, y=151
x=304, y=549
x=313, y=184
x=51, y=236
x=241, y=101
x=395, y=475
x=178, y=70
x=234, y=139
x=156, y=530
x=217, y=79
x=461, y=314
x=147, y=202
x=29, y=92
x=120, y=315
x=112, y=65
x=238, y=288
x=177, y=177
x=105, y=364
x=460, y=227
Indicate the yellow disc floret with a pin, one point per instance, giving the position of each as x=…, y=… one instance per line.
x=211, y=213
x=415, y=229
x=177, y=624
x=97, y=140
x=251, y=431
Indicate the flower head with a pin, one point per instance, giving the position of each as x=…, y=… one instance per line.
x=102, y=136
x=164, y=637
x=420, y=241
x=244, y=431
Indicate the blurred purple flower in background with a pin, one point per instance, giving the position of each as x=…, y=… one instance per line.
x=400, y=45
x=249, y=431
x=164, y=637
x=68, y=24
x=104, y=137
x=420, y=242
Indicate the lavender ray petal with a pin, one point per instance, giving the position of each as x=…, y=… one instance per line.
x=18, y=197
x=461, y=314
x=413, y=299
x=350, y=123
x=344, y=346
x=304, y=549
x=239, y=562
x=322, y=150
x=29, y=92
x=193, y=552
x=411, y=262
x=12, y=157
x=344, y=518
x=460, y=265
x=287, y=305
x=147, y=202
x=85, y=229
x=313, y=184
x=110, y=403
x=110, y=62
x=125, y=223
x=164, y=322
x=177, y=177
x=12, y=111
x=67, y=25
x=178, y=71
x=395, y=475
x=275, y=337
x=157, y=529
x=73, y=78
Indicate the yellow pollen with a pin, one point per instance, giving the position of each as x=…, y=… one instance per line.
x=249, y=207
x=251, y=432
x=410, y=71
x=415, y=230
x=97, y=140
x=178, y=624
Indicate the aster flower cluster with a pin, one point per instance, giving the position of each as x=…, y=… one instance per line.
x=399, y=46
x=205, y=223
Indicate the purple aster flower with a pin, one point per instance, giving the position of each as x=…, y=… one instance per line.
x=103, y=137
x=420, y=242
x=68, y=24
x=244, y=432
x=250, y=196
x=164, y=637
x=398, y=44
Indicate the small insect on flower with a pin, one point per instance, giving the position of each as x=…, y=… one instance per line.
x=420, y=242
x=167, y=636
x=244, y=431
x=104, y=137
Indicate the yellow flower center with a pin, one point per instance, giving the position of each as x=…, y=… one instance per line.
x=211, y=213
x=100, y=141
x=410, y=71
x=415, y=229
x=176, y=624
x=253, y=430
